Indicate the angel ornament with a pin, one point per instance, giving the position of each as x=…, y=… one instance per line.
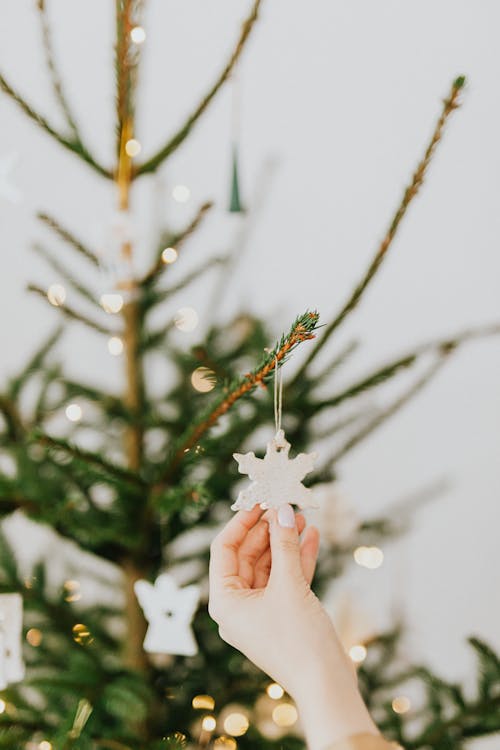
x=276, y=478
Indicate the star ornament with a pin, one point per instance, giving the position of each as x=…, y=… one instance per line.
x=169, y=611
x=276, y=478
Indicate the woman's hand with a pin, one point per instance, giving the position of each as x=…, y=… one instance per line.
x=260, y=596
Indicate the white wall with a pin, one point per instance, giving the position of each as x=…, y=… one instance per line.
x=344, y=95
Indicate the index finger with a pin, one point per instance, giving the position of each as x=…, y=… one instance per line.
x=224, y=548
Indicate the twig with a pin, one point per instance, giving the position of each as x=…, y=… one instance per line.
x=157, y=296
x=57, y=84
x=71, y=144
x=63, y=273
x=176, y=241
x=302, y=330
x=449, y=105
x=68, y=237
x=173, y=143
x=87, y=457
x=73, y=314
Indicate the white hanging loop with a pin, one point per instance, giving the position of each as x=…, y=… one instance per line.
x=278, y=404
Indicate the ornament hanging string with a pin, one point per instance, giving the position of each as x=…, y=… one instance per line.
x=278, y=395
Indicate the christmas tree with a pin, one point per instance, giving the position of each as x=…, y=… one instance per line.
x=147, y=492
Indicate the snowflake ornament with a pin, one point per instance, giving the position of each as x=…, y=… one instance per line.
x=169, y=611
x=276, y=478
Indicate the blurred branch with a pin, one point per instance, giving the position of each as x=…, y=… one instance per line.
x=175, y=141
x=73, y=314
x=63, y=272
x=35, y=363
x=175, y=241
x=68, y=237
x=70, y=143
x=157, y=296
x=449, y=105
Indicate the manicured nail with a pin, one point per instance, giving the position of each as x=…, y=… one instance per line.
x=286, y=516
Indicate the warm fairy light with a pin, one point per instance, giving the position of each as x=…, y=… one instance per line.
x=225, y=743
x=401, y=704
x=138, y=35
x=45, y=745
x=56, y=295
x=236, y=724
x=369, y=557
x=34, y=637
x=203, y=379
x=186, y=319
x=285, y=715
x=111, y=302
x=209, y=723
x=181, y=193
x=74, y=412
x=133, y=147
x=203, y=701
x=169, y=255
x=81, y=634
x=115, y=346
x=358, y=653
x=275, y=691
x=72, y=591
x=3, y=706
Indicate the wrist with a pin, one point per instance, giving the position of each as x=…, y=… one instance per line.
x=330, y=705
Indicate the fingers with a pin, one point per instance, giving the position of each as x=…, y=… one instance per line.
x=253, y=547
x=285, y=547
x=224, y=549
x=263, y=565
x=309, y=548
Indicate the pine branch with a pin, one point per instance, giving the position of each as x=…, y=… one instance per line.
x=63, y=273
x=157, y=296
x=35, y=363
x=87, y=457
x=390, y=410
x=73, y=314
x=302, y=330
x=175, y=241
x=389, y=370
x=68, y=237
x=175, y=141
x=126, y=65
x=70, y=143
x=449, y=105
x=57, y=84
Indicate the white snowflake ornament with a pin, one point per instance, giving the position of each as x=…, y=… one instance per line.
x=11, y=626
x=169, y=611
x=276, y=478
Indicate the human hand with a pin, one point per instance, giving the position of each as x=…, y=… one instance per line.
x=261, y=598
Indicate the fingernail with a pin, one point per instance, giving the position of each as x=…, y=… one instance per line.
x=286, y=516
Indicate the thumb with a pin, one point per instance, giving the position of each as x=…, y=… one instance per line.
x=285, y=546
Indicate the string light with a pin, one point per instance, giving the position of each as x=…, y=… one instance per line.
x=3, y=706
x=115, y=346
x=369, y=557
x=181, y=193
x=111, y=302
x=186, y=319
x=45, y=745
x=81, y=634
x=34, y=637
x=133, y=147
x=169, y=255
x=209, y=723
x=138, y=35
x=225, y=743
x=74, y=412
x=401, y=704
x=56, y=294
x=285, y=715
x=358, y=653
x=203, y=701
x=275, y=691
x=203, y=379
x=236, y=724
x=72, y=591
